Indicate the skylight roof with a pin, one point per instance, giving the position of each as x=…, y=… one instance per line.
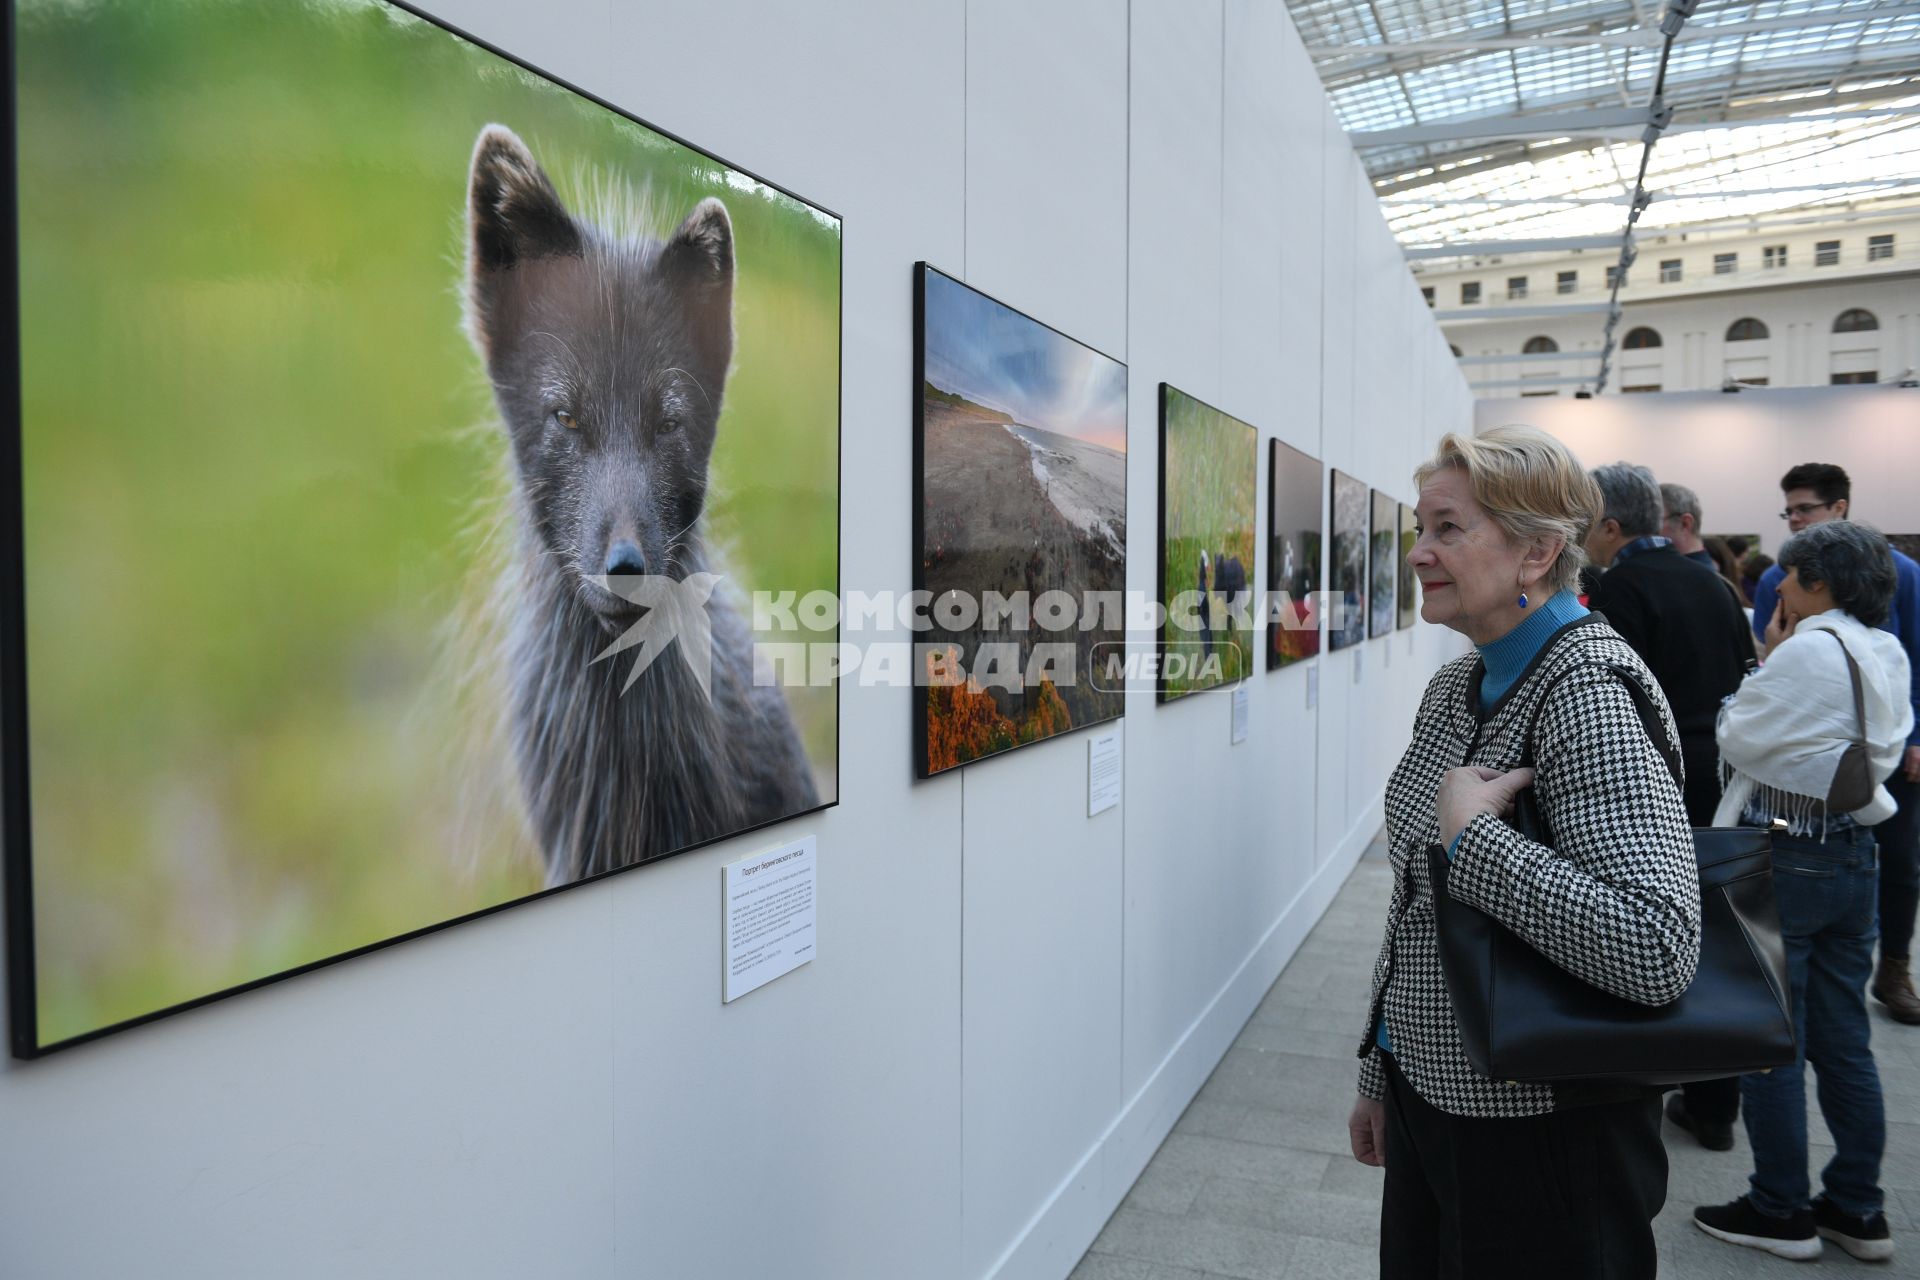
x=1394, y=63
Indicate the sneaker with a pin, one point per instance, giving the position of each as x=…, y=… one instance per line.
x=1714, y=1137
x=1865, y=1238
x=1741, y=1223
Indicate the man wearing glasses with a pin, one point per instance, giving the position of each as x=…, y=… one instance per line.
x=1817, y=492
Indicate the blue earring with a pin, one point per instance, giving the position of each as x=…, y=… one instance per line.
x=1523, y=599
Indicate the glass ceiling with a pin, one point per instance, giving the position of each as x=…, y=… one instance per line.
x=1749, y=65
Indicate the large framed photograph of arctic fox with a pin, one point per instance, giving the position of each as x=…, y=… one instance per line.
x=397, y=444
x=1020, y=527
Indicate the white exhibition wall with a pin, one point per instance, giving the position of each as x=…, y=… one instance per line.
x=1732, y=449
x=1012, y=1003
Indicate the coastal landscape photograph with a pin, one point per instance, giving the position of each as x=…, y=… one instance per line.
x=1022, y=462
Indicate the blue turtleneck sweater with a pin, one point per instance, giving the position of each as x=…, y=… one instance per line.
x=1505, y=659
x=1508, y=656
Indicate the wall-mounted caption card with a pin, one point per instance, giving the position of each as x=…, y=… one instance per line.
x=768, y=917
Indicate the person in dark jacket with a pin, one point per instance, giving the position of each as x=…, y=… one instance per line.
x=1684, y=622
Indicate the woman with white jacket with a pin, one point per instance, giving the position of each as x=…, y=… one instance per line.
x=1782, y=738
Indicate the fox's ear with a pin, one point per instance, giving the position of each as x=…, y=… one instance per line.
x=513, y=211
x=701, y=251
x=698, y=260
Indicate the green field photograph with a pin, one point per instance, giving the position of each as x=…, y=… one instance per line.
x=1209, y=481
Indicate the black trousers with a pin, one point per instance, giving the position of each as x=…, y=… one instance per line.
x=1571, y=1195
x=1899, y=838
x=1714, y=1101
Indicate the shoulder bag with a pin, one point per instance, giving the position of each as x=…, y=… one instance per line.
x=1853, y=783
x=1523, y=1018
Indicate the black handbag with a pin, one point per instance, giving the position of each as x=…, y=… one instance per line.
x=1523, y=1018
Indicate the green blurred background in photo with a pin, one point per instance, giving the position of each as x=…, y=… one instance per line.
x=265, y=488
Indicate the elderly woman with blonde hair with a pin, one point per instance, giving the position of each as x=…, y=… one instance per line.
x=1490, y=1178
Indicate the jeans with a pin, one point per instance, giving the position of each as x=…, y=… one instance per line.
x=1827, y=893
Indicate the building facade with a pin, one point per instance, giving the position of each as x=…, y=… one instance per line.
x=1793, y=303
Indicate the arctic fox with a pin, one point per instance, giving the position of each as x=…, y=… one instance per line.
x=608, y=352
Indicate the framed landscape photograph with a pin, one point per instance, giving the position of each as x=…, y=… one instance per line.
x=1020, y=462
x=1209, y=480
x=1294, y=496
x=1348, y=587
x=1409, y=588
x=377, y=569
x=1383, y=555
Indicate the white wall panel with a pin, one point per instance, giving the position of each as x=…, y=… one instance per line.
x=1175, y=336
x=1267, y=376
x=339, y=1123
x=1046, y=195
x=1733, y=449
x=1335, y=808
x=1046, y=232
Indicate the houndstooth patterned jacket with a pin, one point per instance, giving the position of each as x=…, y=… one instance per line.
x=1617, y=904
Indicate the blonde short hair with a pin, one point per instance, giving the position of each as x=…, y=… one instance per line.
x=1531, y=486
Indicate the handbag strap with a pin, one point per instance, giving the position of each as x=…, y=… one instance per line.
x=1650, y=720
x=1859, y=701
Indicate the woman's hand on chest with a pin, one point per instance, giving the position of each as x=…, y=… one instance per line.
x=1467, y=792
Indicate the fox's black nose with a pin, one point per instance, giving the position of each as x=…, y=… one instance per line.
x=624, y=557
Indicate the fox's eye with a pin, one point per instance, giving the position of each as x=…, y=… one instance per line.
x=669, y=424
x=566, y=419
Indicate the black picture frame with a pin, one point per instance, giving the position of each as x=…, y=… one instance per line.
x=15, y=775
x=1163, y=690
x=924, y=765
x=1295, y=483
x=1347, y=580
x=1409, y=594
x=1383, y=559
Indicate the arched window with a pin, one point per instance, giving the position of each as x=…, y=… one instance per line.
x=1746, y=330
x=1454, y=349
x=1643, y=337
x=1540, y=346
x=1855, y=320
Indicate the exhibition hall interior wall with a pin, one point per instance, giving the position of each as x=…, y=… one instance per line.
x=1732, y=448
x=1012, y=1002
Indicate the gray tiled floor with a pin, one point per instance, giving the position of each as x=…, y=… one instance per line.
x=1255, y=1182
